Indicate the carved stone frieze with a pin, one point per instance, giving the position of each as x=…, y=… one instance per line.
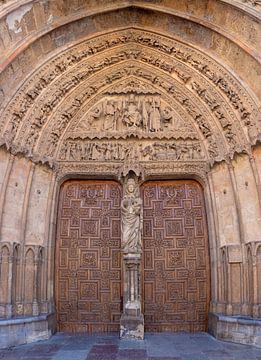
x=170, y=47
x=107, y=169
x=226, y=119
x=149, y=169
x=100, y=150
x=183, y=169
x=76, y=76
x=211, y=70
x=252, y=2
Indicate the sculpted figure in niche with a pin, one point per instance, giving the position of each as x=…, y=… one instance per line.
x=131, y=222
x=154, y=115
x=131, y=116
x=94, y=117
x=109, y=116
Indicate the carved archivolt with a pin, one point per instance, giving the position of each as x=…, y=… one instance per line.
x=130, y=95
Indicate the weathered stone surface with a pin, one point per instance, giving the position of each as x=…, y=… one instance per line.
x=26, y=330
x=239, y=329
x=132, y=327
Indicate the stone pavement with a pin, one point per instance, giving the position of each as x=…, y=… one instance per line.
x=156, y=346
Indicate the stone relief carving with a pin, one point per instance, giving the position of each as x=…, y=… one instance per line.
x=131, y=217
x=199, y=168
x=175, y=59
x=64, y=62
x=131, y=113
x=200, y=64
x=185, y=169
x=187, y=104
x=82, y=150
x=218, y=111
x=252, y=2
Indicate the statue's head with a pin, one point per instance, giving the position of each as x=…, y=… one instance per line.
x=130, y=187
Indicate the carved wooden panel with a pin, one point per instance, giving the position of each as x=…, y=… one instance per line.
x=176, y=283
x=88, y=260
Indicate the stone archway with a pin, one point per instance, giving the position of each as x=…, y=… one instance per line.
x=174, y=94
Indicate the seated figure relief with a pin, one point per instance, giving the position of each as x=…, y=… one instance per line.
x=131, y=113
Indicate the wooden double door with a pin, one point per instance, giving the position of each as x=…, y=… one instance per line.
x=175, y=268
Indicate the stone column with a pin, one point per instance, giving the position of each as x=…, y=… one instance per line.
x=37, y=279
x=10, y=281
x=132, y=320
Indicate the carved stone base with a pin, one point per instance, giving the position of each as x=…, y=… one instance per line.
x=132, y=327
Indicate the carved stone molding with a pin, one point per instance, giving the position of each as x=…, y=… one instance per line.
x=252, y=2
x=144, y=170
x=100, y=169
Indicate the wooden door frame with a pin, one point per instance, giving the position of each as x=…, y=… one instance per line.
x=188, y=172
x=208, y=267
x=58, y=210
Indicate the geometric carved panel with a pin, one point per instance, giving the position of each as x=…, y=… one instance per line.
x=88, y=258
x=176, y=279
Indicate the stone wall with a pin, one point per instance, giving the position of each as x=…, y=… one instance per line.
x=25, y=218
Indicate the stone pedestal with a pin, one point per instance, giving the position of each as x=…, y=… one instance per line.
x=132, y=327
x=132, y=320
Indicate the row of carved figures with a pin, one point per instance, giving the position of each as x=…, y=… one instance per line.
x=78, y=150
x=132, y=112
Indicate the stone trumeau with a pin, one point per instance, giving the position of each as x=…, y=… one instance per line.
x=130, y=167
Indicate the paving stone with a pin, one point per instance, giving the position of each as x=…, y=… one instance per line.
x=161, y=348
x=132, y=344
x=100, y=356
x=105, y=348
x=158, y=346
x=71, y=355
x=9, y=355
x=132, y=354
x=164, y=358
x=198, y=356
x=218, y=354
x=103, y=352
x=244, y=355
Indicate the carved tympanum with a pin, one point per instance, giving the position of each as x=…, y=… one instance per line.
x=129, y=113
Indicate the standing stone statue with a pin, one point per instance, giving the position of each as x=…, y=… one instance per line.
x=131, y=210
x=132, y=319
